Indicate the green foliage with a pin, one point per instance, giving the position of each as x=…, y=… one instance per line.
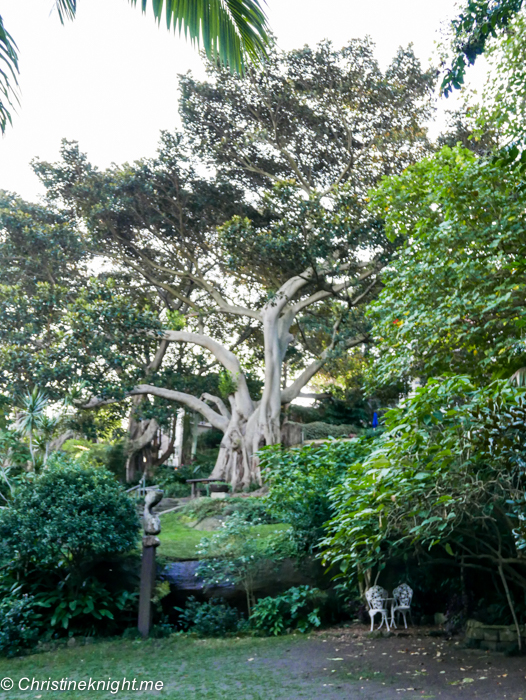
x=341, y=119
x=230, y=32
x=209, y=438
x=66, y=517
x=254, y=510
x=296, y=609
x=86, y=608
x=8, y=75
x=107, y=454
x=478, y=21
x=19, y=625
x=502, y=103
x=299, y=482
x=227, y=384
x=452, y=298
x=213, y=618
x=445, y=481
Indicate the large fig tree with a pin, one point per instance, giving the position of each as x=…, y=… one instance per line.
x=293, y=149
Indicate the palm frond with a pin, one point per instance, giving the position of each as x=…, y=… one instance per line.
x=519, y=377
x=230, y=31
x=32, y=406
x=8, y=76
x=67, y=9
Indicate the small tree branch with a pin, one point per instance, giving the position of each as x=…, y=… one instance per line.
x=293, y=391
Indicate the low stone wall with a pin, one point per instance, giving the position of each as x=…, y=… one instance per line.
x=271, y=579
x=493, y=637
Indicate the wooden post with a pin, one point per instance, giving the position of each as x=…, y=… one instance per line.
x=152, y=527
x=149, y=545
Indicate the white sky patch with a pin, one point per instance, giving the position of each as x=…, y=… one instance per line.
x=109, y=79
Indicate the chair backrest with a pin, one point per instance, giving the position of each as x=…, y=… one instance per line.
x=376, y=596
x=403, y=595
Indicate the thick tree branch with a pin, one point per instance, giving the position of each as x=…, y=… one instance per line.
x=134, y=446
x=223, y=354
x=218, y=421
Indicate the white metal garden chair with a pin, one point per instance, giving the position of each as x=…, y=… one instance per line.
x=402, y=597
x=377, y=601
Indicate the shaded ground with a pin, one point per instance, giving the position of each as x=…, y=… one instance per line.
x=336, y=664
x=415, y=665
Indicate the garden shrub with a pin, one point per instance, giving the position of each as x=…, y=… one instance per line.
x=107, y=454
x=19, y=625
x=64, y=540
x=213, y=618
x=300, y=479
x=252, y=509
x=296, y=609
x=445, y=484
x=234, y=554
x=204, y=507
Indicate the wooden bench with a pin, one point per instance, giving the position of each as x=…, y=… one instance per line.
x=194, y=484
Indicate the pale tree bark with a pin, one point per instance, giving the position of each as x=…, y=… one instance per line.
x=248, y=425
x=140, y=452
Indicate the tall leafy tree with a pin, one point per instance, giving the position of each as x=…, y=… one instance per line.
x=302, y=141
x=230, y=31
x=73, y=331
x=453, y=299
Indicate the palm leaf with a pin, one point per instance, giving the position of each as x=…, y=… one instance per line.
x=67, y=9
x=9, y=63
x=8, y=76
x=230, y=31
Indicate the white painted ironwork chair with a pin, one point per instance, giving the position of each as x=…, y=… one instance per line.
x=377, y=601
x=402, y=597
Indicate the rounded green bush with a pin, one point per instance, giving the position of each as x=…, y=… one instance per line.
x=67, y=516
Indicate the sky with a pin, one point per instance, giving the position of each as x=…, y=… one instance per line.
x=109, y=79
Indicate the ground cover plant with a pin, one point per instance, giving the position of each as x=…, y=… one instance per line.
x=296, y=609
x=212, y=618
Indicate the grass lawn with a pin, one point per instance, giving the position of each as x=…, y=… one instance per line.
x=178, y=541
x=190, y=669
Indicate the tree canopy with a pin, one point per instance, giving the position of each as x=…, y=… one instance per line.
x=477, y=23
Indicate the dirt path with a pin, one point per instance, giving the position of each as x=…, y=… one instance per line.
x=351, y=665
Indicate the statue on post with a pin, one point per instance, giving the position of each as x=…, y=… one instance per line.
x=152, y=527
